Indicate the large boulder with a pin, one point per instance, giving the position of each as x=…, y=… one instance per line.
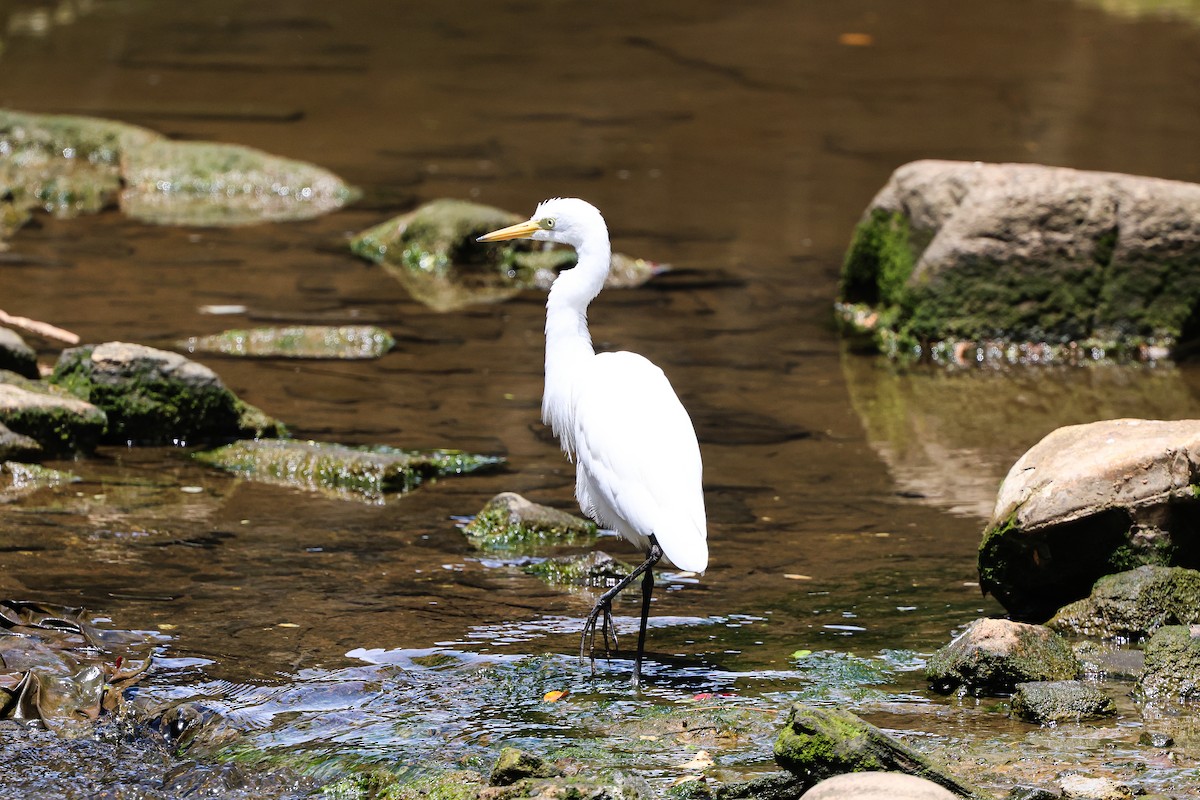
x=1083, y=263
x=1087, y=501
x=157, y=397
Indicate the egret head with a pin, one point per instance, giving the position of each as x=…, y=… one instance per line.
x=565, y=220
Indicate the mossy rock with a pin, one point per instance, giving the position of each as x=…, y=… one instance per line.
x=432, y=251
x=1172, y=666
x=59, y=424
x=157, y=397
x=17, y=446
x=1131, y=605
x=1052, y=702
x=955, y=252
x=992, y=656
x=25, y=478
x=593, y=569
x=207, y=183
x=1088, y=501
x=343, y=342
x=514, y=765
x=511, y=523
x=363, y=473
x=17, y=356
x=819, y=743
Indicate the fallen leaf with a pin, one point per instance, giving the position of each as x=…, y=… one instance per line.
x=795, y=576
x=801, y=654
x=555, y=696
x=856, y=39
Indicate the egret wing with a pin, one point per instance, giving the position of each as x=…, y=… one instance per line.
x=638, y=458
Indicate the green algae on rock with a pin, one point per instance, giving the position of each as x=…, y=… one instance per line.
x=344, y=342
x=362, y=473
x=60, y=424
x=25, y=478
x=1172, y=668
x=1052, y=702
x=71, y=165
x=1087, y=501
x=1074, y=265
x=432, y=251
x=818, y=743
x=208, y=183
x=510, y=523
x=593, y=569
x=1131, y=605
x=155, y=396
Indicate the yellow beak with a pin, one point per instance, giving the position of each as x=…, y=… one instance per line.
x=522, y=230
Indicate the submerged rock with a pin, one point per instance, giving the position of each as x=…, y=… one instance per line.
x=820, y=743
x=70, y=165
x=514, y=765
x=157, y=397
x=364, y=473
x=593, y=569
x=207, y=183
x=1087, y=501
x=16, y=356
x=1172, y=668
x=992, y=656
x=510, y=523
x=25, y=478
x=344, y=342
x=1087, y=787
x=59, y=424
x=432, y=252
x=1131, y=605
x=958, y=252
x=1051, y=702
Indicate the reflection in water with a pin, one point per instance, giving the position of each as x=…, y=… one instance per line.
x=950, y=436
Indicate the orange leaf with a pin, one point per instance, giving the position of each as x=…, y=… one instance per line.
x=555, y=696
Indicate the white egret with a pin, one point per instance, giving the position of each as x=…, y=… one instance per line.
x=638, y=468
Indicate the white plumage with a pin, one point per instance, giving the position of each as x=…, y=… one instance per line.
x=638, y=467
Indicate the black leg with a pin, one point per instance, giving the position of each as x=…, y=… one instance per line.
x=602, y=612
x=647, y=590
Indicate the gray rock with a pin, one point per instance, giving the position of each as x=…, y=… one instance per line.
x=343, y=342
x=1172, y=670
x=877, y=786
x=513, y=765
x=1131, y=605
x=596, y=569
x=955, y=251
x=511, y=523
x=1090, y=500
x=16, y=356
x=158, y=397
x=992, y=656
x=1050, y=702
x=60, y=424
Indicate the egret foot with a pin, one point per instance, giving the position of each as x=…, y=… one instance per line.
x=601, y=614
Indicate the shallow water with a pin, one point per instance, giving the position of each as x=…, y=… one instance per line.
x=737, y=142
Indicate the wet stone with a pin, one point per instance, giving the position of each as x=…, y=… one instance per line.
x=1156, y=739
x=59, y=423
x=1049, y=702
x=17, y=446
x=511, y=523
x=364, y=473
x=157, y=397
x=513, y=765
x=877, y=786
x=432, y=251
x=1085, y=787
x=1087, y=501
x=992, y=656
x=593, y=569
x=1172, y=670
x=820, y=743
x=344, y=342
x=1131, y=605
x=17, y=356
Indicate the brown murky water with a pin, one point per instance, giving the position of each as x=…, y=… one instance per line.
x=739, y=142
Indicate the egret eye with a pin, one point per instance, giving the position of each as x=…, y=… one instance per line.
x=547, y=223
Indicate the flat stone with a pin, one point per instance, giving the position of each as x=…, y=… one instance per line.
x=1051, y=702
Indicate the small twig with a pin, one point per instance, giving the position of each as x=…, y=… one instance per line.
x=40, y=328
